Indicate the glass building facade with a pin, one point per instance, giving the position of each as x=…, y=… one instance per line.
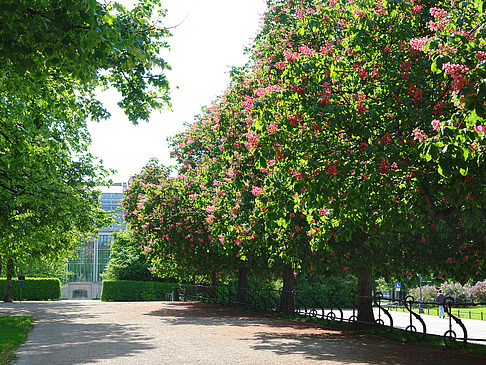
x=93, y=255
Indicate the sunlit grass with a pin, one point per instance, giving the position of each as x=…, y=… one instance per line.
x=13, y=332
x=478, y=312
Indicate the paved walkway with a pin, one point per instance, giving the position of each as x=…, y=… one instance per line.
x=93, y=332
x=476, y=329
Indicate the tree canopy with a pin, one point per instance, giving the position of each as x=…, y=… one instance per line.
x=53, y=57
x=353, y=142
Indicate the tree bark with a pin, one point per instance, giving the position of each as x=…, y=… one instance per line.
x=193, y=286
x=365, y=299
x=214, y=282
x=287, y=298
x=242, y=284
x=7, y=297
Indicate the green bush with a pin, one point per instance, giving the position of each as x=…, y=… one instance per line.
x=130, y=290
x=310, y=294
x=35, y=288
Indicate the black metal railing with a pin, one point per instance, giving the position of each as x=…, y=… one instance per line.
x=308, y=304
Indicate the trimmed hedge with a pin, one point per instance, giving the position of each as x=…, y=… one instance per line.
x=34, y=288
x=130, y=290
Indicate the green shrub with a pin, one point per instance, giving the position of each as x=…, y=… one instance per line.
x=310, y=294
x=34, y=288
x=130, y=290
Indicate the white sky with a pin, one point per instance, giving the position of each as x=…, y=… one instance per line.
x=211, y=39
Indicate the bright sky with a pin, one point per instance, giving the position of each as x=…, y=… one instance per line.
x=211, y=39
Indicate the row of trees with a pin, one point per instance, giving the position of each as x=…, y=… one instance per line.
x=353, y=142
x=53, y=57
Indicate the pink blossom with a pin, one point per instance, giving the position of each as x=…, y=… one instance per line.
x=298, y=174
x=458, y=74
x=379, y=7
x=359, y=13
x=255, y=190
x=438, y=13
x=323, y=212
x=481, y=55
x=305, y=50
x=253, y=140
x=435, y=124
x=416, y=9
x=289, y=55
x=272, y=127
x=326, y=93
x=418, y=44
x=480, y=128
x=435, y=26
x=419, y=135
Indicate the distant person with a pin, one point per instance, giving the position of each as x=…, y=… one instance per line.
x=440, y=301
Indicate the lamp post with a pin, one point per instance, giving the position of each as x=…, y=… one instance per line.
x=421, y=309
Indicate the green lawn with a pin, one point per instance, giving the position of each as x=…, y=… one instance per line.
x=478, y=312
x=13, y=332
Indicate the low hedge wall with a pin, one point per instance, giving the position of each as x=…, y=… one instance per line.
x=34, y=288
x=130, y=290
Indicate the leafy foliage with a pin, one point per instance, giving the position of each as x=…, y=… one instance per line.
x=129, y=290
x=340, y=148
x=53, y=55
x=127, y=260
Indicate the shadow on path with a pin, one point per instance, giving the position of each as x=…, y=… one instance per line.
x=287, y=337
x=74, y=333
x=73, y=343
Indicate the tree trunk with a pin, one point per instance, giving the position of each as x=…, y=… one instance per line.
x=214, y=282
x=242, y=285
x=365, y=300
x=7, y=297
x=287, y=298
x=193, y=287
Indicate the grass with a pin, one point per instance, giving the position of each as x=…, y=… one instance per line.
x=478, y=312
x=13, y=332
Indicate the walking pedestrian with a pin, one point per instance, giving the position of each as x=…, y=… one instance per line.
x=439, y=300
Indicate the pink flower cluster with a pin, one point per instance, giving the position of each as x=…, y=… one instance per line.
x=480, y=128
x=416, y=9
x=323, y=212
x=359, y=12
x=436, y=124
x=272, y=127
x=326, y=93
x=306, y=51
x=289, y=55
x=418, y=44
x=438, y=13
x=458, y=74
x=255, y=190
x=252, y=140
x=379, y=8
x=419, y=135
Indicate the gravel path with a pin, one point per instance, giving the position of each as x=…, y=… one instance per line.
x=93, y=332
